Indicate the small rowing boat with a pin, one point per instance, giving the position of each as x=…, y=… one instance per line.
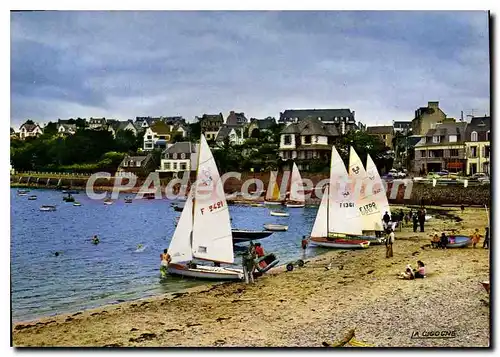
x=47, y=208
x=32, y=197
x=108, y=201
x=280, y=214
x=77, y=204
x=22, y=192
x=276, y=227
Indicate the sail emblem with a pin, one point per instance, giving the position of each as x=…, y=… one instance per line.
x=208, y=177
x=372, y=177
x=356, y=170
x=346, y=193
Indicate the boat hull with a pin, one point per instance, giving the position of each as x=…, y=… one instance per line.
x=373, y=240
x=273, y=203
x=295, y=205
x=280, y=214
x=340, y=243
x=276, y=227
x=47, y=209
x=108, y=203
x=460, y=242
x=240, y=236
x=206, y=272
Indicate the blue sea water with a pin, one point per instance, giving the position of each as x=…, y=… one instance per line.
x=85, y=275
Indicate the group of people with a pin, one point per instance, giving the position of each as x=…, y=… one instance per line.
x=248, y=260
x=443, y=241
x=418, y=218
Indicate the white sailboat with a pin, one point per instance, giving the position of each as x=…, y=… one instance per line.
x=378, y=191
x=204, y=228
x=367, y=202
x=273, y=191
x=296, y=198
x=338, y=219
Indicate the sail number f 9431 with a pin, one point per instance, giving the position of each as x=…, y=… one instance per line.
x=213, y=207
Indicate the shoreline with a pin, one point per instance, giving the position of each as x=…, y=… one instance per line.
x=331, y=294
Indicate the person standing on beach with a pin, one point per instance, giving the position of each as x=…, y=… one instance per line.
x=486, y=243
x=415, y=222
x=386, y=220
x=248, y=262
x=388, y=243
x=421, y=219
x=304, y=245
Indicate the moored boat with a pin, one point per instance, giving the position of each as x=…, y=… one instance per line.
x=77, y=204
x=22, y=192
x=32, y=197
x=108, y=201
x=244, y=235
x=340, y=243
x=273, y=191
x=149, y=196
x=128, y=200
x=68, y=198
x=276, y=227
x=47, y=208
x=296, y=198
x=279, y=214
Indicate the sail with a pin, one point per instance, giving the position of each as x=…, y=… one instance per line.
x=273, y=191
x=343, y=216
x=296, y=186
x=180, y=245
x=378, y=189
x=212, y=238
x=320, y=228
x=365, y=201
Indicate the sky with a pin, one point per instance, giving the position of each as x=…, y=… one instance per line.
x=123, y=64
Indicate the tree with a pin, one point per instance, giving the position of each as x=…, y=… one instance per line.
x=50, y=129
x=126, y=141
x=195, y=131
x=29, y=121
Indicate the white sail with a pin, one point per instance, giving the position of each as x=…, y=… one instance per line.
x=378, y=189
x=273, y=193
x=180, y=245
x=343, y=216
x=296, y=186
x=366, y=202
x=320, y=228
x=212, y=237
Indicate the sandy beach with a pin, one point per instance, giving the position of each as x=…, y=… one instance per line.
x=318, y=303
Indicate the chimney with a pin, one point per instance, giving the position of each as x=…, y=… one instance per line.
x=434, y=105
x=231, y=112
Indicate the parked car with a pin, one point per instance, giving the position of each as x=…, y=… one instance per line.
x=480, y=177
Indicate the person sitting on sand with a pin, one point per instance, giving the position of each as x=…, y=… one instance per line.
x=475, y=238
x=165, y=257
x=435, y=241
x=408, y=274
x=443, y=241
x=420, y=271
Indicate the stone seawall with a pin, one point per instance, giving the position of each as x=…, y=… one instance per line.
x=413, y=193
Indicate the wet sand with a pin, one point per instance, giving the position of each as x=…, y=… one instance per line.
x=320, y=302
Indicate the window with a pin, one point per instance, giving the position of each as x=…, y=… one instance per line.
x=138, y=164
x=174, y=156
x=423, y=153
x=309, y=154
x=175, y=166
x=384, y=137
x=473, y=136
x=307, y=139
x=436, y=139
x=183, y=166
x=149, y=146
x=183, y=156
x=287, y=140
x=453, y=152
x=452, y=138
x=162, y=137
x=424, y=140
x=473, y=151
x=149, y=137
x=488, y=135
x=487, y=152
x=166, y=166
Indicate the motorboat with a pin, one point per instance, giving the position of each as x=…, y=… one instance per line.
x=47, y=208
x=32, y=198
x=77, y=204
x=280, y=214
x=22, y=192
x=275, y=227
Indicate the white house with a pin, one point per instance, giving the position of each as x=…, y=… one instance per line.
x=97, y=123
x=234, y=133
x=160, y=134
x=66, y=129
x=29, y=130
x=181, y=156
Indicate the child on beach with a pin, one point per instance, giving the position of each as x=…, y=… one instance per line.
x=165, y=257
x=408, y=274
x=435, y=241
x=475, y=238
x=304, y=244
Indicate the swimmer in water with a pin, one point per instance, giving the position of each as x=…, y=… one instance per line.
x=56, y=254
x=95, y=240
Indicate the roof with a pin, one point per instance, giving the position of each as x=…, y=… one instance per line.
x=480, y=125
x=399, y=124
x=160, y=128
x=30, y=127
x=139, y=159
x=236, y=118
x=211, y=117
x=67, y=126
x=98, y=120
x=264, y=123
x=181, y=147
x=385, y=129
x=444, y=130
x=311, y=126
x=324, y=114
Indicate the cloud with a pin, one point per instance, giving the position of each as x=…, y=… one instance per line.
x=383, y=65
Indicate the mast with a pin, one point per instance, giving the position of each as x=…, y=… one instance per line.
x=327, y=189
